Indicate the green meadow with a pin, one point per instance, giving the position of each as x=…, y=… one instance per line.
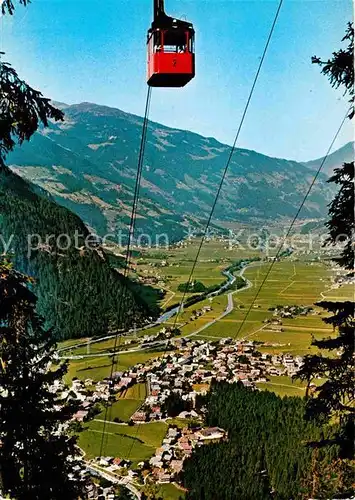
x=289, y=282
x=283, y=386
x=214, y=257
x=100, y=367
x=135, y=443
x=127, y=403
x=171, y=492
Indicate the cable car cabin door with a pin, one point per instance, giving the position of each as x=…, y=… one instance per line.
x=171, y=58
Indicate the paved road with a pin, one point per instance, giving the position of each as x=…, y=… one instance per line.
x=162, y=319
x=114, y=479
x=230, y=307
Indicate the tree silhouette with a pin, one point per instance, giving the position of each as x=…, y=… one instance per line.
x=8, y=7
x=333, y=399
x=340, y=68
x=22, y=109
x=38, y=455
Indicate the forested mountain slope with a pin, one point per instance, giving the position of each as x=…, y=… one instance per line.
x=88, y=164
x=78, y=292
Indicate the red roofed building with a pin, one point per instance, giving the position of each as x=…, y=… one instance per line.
x=139, y=416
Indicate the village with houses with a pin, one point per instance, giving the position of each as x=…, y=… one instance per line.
x=175, y=385
x=176, y=381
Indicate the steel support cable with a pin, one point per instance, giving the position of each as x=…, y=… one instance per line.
x=224, y=175
x=229, y=158
x=128, y=249
x=291, y=225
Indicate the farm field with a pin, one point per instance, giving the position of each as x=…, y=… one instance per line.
x=297, y=343
x=127, y=403
x=135, y=443
x=70, y=342
x=100, y=367
x=289, y=283
x=101, y=347
x=215, y=256
x=283, y=386
x=345, y=292
x=122, y=409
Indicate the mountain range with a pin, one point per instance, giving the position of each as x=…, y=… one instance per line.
x=334, y=160
x=88, y=164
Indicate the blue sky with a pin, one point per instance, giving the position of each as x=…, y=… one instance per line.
x=76, y=50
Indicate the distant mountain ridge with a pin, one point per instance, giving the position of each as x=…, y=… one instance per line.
x=88, y=164
x=334, y=160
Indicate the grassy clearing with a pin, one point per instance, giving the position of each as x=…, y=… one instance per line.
x=70, y=342
x=137, y=391
x=200, y=387
x=109, y=344
x=288, y=283
x=214, y=257
x=122, y=409
x=283, y=386
x=100, y=367
x=295, y=342
x=346, y=292
x=134, y=443
x=127, y=403
x=179, y=422
x=171, y=492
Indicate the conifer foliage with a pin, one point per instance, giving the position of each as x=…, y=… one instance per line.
x=264, y=456
x=38, y=455
x=334, y=399
x=22, y=108
x=340, y=68
x=79, y=294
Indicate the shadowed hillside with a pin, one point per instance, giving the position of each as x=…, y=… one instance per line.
x=78, y=292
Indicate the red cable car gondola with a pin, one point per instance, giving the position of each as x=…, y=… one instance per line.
x=171, y=58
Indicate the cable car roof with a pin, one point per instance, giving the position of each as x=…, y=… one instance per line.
x=163, y=21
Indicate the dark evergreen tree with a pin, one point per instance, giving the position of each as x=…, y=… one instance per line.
x=174, y=404
x=341, y=210
x=38, y=456
x=8, y=7
x=333, y=400
x=22, y=109
x=79, y=294
x=340, y=68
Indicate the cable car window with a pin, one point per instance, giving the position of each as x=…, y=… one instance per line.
x=174, y=38
x=191, y=45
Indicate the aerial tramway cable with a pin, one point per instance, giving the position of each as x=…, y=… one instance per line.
x=129, y=243
x=291, y=225
x=223, y=176
x=229, y=158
